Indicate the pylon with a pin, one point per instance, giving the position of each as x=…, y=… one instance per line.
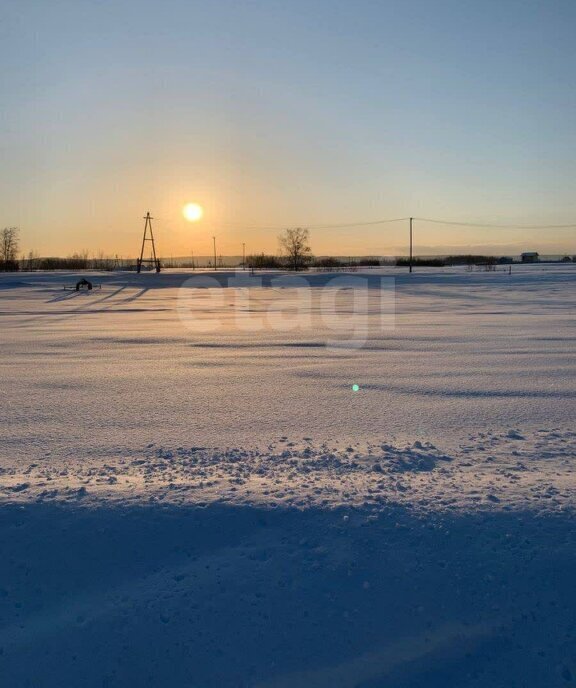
x=155, y=262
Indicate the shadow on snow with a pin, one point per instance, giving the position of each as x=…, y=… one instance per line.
x=243, y=596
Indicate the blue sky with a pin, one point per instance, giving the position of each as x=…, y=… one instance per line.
x=287, y=113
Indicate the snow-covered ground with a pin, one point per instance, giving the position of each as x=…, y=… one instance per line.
x=193, y=494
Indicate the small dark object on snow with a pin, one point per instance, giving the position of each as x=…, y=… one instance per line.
x=83, y=284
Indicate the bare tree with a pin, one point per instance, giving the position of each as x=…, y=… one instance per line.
x=295, y=246
x=9, y=248
x=32, y=260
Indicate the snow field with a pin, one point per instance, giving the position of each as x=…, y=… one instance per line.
x=218, y=508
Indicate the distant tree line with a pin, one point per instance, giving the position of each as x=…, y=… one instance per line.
x=76, y=261
x=294, y=254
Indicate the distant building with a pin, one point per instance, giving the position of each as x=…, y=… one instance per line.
x=530, y=257
x=505, y=260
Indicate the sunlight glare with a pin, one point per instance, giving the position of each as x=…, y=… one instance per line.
x=192, y=212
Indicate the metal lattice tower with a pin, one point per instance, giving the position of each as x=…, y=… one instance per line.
x=148, y=236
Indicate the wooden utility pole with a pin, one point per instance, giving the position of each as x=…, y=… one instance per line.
x=243, y=256
x=411, y=243
x=154, y=260
x=215, y=263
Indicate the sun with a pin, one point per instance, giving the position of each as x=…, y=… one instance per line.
x=192, y=212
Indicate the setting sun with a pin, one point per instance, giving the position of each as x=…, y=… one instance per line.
x=192, y=212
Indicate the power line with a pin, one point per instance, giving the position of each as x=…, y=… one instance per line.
x=357, y=224
x=252, y=228
x=347, y=225
x=489, y=224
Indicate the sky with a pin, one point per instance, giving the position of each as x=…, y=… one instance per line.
x=297, y=113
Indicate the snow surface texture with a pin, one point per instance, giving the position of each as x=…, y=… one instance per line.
x=215, y=506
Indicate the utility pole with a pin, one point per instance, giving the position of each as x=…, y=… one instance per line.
x=215, y=263
x=243, y=256
x=411, y=243
x=154, y=260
